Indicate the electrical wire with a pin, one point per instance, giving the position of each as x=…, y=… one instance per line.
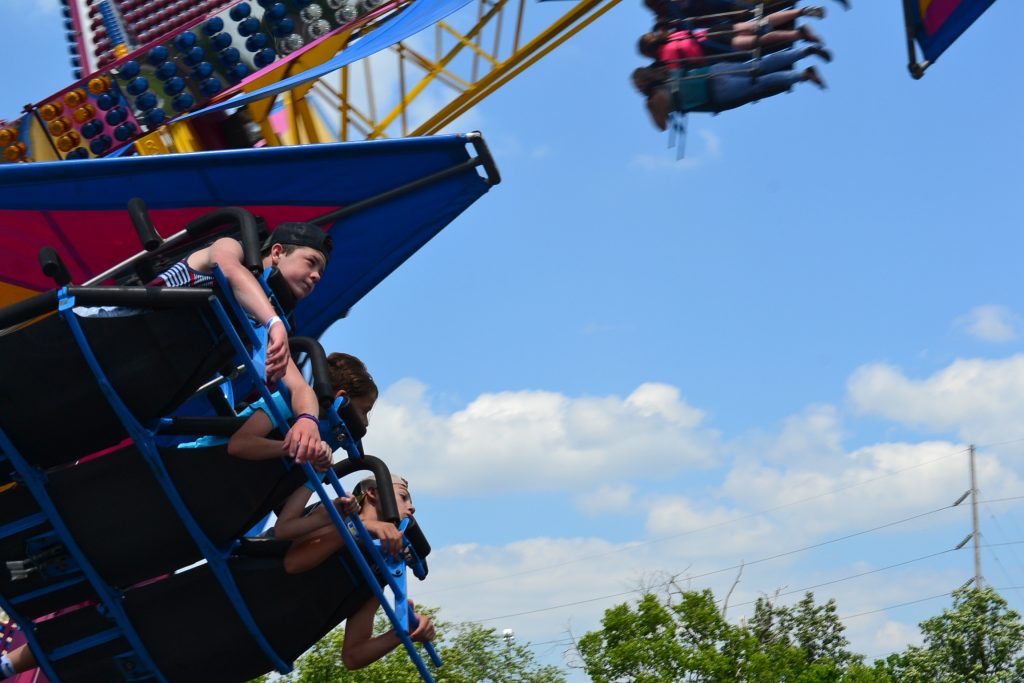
x=662, y=539
x=724, y=569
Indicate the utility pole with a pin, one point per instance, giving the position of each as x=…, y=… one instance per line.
x=976, y=527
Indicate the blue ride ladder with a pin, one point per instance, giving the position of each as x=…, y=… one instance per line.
x=216, y=557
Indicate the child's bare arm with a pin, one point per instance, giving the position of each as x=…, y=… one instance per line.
x=302, y=441
x=227, y=253
x=250, y=442
x=360, y=648
x=291, y=523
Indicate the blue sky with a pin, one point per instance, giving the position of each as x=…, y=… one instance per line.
x=617, y=364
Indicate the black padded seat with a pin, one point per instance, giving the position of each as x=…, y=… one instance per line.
x=192, y=632
x=128, y=529
x=50, y=404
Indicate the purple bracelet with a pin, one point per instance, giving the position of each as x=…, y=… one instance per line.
x=314, y=418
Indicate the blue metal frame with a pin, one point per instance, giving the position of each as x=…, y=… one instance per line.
x=46, y=590
x=23, y=524
x=215, y=557
x=243, y=354
x=336, y=431
x=86, y=643
x=109, y=597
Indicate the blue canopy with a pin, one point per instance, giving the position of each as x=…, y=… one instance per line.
x=79, y=207
x=420, y=15
x=936, y=24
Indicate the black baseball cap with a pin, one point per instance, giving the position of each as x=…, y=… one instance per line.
x=303, y=235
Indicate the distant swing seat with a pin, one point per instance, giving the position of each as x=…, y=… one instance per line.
x=192, y=632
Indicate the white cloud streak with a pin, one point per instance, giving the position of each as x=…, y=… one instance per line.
x=991, y=323
x=981, y=400
x=536, y=440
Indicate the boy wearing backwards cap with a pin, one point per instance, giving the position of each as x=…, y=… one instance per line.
x=299, y=251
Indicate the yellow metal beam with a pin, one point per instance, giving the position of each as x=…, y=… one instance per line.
x=581, y=16
x=308, y=119
x=470, y=42
x=269, y=134
x=446, y=76
x=153, y=143
x=184, y=137
x=383, y=124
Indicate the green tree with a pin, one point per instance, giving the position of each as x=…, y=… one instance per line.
x=470, y=652
x=813, y=630
x=688, y=639
x=634, y=644
x=978, y=640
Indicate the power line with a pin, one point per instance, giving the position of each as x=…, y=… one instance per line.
x=987, y=546
x=855, y=576
x=662, y=539
x=914, y=602
x=567, y=641
x=732, y=567
x=823, y=543
x=902, y=604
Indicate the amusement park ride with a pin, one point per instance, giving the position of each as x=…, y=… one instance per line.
x=148, y=69
x=143, y=66
x=255, y=84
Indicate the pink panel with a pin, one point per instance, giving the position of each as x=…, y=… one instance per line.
x=937, y=14
x=90, y=242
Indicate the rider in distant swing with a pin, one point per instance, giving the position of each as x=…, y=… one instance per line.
x=724, y=86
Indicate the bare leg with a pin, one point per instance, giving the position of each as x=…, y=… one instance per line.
x=748, y=41
x=22, y=659
x=780, y=19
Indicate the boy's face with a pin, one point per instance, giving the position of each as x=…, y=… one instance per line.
x=404, y=500
x=302, y=268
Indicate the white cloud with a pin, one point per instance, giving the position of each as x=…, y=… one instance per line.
x=695, y=157
x=505, y=145
x=734, y=534
x=668, y=162
x=815, y=434
x=537, y=440
x=772, y=504
x=606, y=500
x=896, y=635
x=991, y=323
x=34, y=7
x=712, y=143
x=981, y=400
